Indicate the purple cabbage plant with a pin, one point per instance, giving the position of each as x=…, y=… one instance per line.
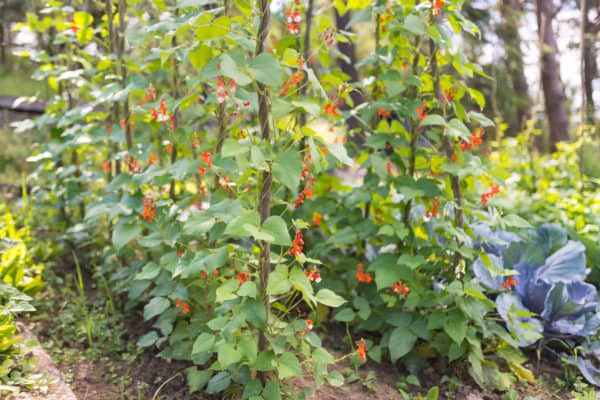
x=539, y=277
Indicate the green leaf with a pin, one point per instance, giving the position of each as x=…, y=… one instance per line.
x=289, y=366
x=148, y=339
x=232, y=148
x=277, y=228
x=150, y=271
x=339, y=152
x=287, y=169
x=411, y=261
x=219, y=382
x=228, y=354
x=414, y=24
x=329, y=298
x=155, y=307
x=265, y=361
x=272, y=391
x=230, y=69
x=125, y=233
x=302, y=284
x=200, y=56
x=203, y=343
x=457, y=129
x=226, y=291
x=265, y=69
x=278, y=281
x=515, y=221
x=456, y=326
x=433, y=120
x=478, y=97
x=255, y=312
x=248, y=289
x=238, y=227
x=401, y=343
x=345, y=315
x=197, y=379
x=482, y=119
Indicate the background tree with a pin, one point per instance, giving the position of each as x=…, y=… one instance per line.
x=554, y=96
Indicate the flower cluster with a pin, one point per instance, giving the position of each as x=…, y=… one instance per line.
x=361, y=349
x=313, y=274
x=222, y=93
x=476, y=140
x=132, y=164
x=494, y=190
x=207, y=160
x=307, y=193
x=422, y=111
x=184, y=306
x=215, y=273
x=435, y=210
x=384, y=19
x=295, y=79
x=242, y=277
x=149, y=208
x=509, y=282
x=316, y=219
x=149, y=95
x=297, y=245
x=361, y=275
x=293, y=21
x=436, y=7
x=329, y=35
x=383, y=113
x=401, y=288
x=309, y=326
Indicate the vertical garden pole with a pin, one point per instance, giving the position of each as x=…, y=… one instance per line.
x=267, y=177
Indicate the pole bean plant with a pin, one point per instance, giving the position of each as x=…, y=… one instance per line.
x=248, y=190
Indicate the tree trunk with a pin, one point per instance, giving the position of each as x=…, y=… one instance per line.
x=554, y=97
x=3, y=44
x=509, y=32
x=588, y=63
x=347, y=65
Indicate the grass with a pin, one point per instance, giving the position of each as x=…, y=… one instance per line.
x=15, y=80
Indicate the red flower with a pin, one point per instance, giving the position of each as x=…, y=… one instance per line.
x=388, y=167
x=149, y=208
x=222, y=93
x=309, y=326
x=383, y=113
x=297, y=245
x=485, y=196
x=509, y=282
x=201, y=170
x=106, y=166
x=153, y=159
x=163, y=106
x=434, y=212
x=331, y=109
x=361, y=275
x=313, y=274
x=172, y=119
x=207, y=159
x=361, y=349
x=401, y=288
x=422, y=111
x=169, y=148
x=328, y=36
x=436, y=7
x=184, y=306
x=242, y=277
x=154, y=113
x=316, y=220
